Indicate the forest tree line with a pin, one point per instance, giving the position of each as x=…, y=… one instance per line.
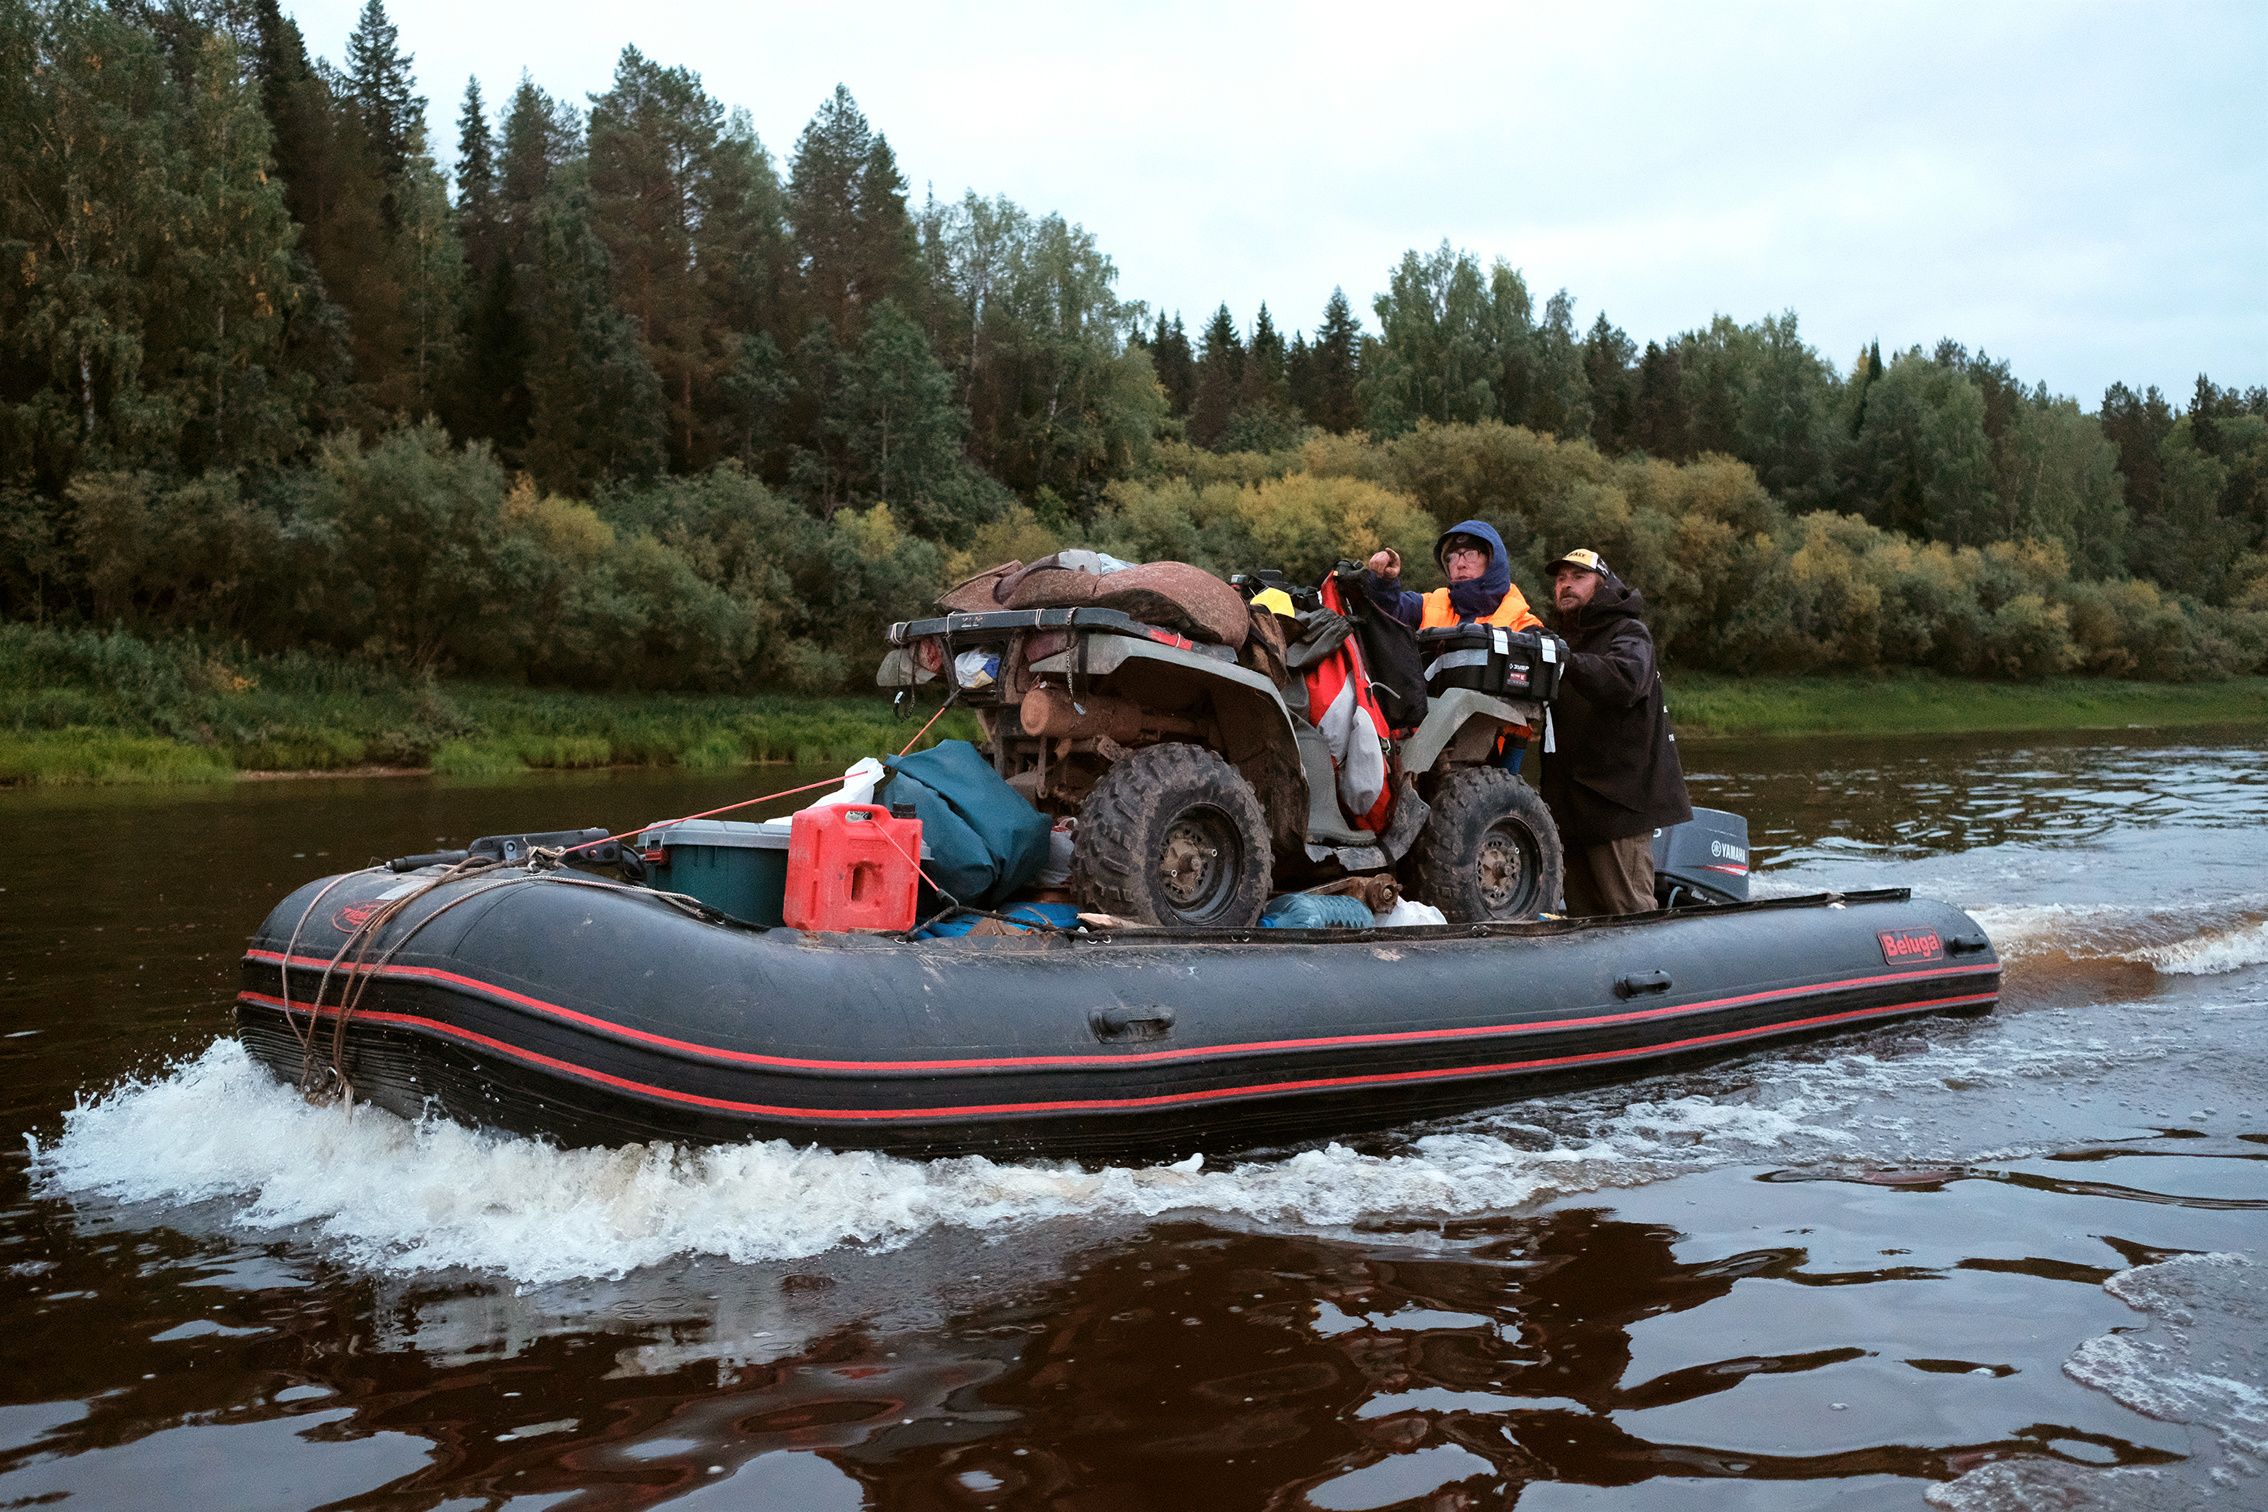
x=621, y=399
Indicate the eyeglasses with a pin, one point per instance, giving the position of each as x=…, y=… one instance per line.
x=1456, y=551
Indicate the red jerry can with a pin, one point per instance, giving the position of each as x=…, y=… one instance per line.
x=851, y=866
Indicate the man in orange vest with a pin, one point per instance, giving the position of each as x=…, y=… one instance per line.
x=1480, y=588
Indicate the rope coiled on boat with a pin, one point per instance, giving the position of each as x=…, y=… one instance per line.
x=335, y=1085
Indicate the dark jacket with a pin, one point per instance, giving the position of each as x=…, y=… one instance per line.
x=1474, y=600
x=1614, y=772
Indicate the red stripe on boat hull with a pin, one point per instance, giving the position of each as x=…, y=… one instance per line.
x=840, y=1116
x=505, y=995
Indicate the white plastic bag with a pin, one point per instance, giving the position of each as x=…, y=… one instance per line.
x=975, y=669
x=1101, y=564
x=858, y=786
x=1410, y=911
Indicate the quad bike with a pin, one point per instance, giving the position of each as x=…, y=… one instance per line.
x=1200, y=784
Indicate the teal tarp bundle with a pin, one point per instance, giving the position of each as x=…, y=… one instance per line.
x=985, y=840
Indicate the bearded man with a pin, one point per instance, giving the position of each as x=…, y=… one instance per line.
x=1612, y=776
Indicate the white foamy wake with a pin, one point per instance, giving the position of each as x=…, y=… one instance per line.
x=397, y=1196
x=2211, y=953
x=2020, y=930
x=2187, y=941
x=402, y=1197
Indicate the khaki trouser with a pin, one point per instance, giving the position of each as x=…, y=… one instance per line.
x=1614, y=878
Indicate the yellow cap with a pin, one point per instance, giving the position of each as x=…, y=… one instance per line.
x=1589, y=561
x=1275, y=601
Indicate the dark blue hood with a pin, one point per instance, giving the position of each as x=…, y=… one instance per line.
x=1478, y=599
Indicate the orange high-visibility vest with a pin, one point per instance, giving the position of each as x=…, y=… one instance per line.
x=1512, y=614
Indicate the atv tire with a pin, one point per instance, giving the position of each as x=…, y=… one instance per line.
x=1172, y=835
x=1489, y=852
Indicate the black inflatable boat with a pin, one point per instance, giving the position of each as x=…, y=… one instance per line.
x=554, y=1004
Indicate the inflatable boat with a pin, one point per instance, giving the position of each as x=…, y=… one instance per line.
x=583, y=1011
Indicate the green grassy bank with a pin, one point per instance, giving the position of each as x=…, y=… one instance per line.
x=1911, y=703
x=86, y=707
x=483, y=732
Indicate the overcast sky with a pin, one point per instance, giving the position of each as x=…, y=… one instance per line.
x=2081, y=188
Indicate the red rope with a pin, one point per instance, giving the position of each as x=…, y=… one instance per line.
x=767, y=798
x=924, y=730
x=915, y=863
x=712, y=813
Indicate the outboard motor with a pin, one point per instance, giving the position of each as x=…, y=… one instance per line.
x=1702, y=862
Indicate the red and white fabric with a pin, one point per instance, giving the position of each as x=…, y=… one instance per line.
x=1353, y=727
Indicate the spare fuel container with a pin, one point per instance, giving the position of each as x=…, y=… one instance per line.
x=851, y=866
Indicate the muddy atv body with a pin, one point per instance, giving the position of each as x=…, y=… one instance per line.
x=1201, y=785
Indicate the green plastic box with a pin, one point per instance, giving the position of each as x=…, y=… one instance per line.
x=737, y=867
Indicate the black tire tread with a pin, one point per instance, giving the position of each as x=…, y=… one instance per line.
x=1467, y=803
x=1108, y=852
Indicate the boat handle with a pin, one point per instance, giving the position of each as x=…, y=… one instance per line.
x=1642, y=981
x=1150, y=1021
x=1964, y=944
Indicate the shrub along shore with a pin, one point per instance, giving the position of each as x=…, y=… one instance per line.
x=81, y=707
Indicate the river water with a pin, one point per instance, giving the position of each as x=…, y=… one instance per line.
x=2003, y=1263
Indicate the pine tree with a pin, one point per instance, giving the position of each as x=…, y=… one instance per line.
x=1559, y=400
x=1335, y=405
x=224, y=278
x=1299, y=375
x=1176, y=365
x=1713, y=394
x=378, y=72
x=429, y=265
x=1263, y=418
x=1608, y=356
x=348, y=149
x=687, y=206
x=540, y=135
x=1263, y=383
x=761, y=387
x=1220, y=375
x=652, y=137
x=854, y=241
x=740, y=246
x=404, y=286
x=2138, y=425
x=595, y=407
x=279, y=58
x=2209, y=406
x=818, y=460
x=296, y=102
x=491, y=391
x=476, y=183
x=1864, y=373
x=1664, y=426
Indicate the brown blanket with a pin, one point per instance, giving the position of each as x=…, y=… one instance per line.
x=1171, y=595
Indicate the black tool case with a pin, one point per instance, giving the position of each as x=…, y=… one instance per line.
x=1493, y=660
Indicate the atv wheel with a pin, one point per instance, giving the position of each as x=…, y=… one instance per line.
x=1172, y=835
x=1489, y=851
